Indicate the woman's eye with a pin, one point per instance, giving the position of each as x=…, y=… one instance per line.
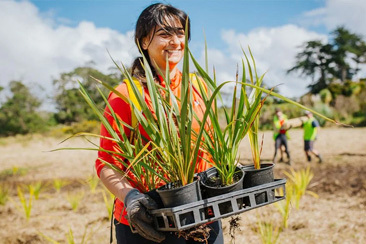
x=164, y=34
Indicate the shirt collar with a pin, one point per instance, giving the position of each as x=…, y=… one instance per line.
x=174, y=82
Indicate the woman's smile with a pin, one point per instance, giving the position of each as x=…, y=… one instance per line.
x=166, y=45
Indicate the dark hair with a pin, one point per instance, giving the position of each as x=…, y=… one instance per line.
x=157, y=14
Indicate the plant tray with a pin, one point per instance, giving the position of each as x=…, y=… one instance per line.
x=211, y=209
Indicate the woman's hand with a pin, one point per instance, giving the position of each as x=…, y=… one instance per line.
x=138, y=206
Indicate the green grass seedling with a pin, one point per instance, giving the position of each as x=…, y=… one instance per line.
x=13, y=171
x=75, y=199
x=92, y=181
x=84, y=239
x=59, y=183
x=27, y=205
x=69, y=237
x=284, y=207
x=108, y=202
x=49, y=239
x=269, y=232
x=4, y=195
x=36, y=188
x=300, y=180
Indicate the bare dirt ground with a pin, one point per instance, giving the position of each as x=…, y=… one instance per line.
x=337, y=216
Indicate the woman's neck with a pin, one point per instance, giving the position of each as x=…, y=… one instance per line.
x=172, y=72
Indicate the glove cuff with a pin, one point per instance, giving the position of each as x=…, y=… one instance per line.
x=130, y=195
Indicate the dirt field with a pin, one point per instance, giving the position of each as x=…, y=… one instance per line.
x=337, y=216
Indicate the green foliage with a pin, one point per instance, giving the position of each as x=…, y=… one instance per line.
x=284, y=207
x=36, y=188
x=59, y=183
x=323, y=109
x=3, y=195
x=19, y=113
x=296, y=188
x=325, y=96
x=300, y=180
x=91, y=126
x=26, y=204
x=92, y=181
x=70, y=237
x=108, y=202
x=269, y=232
x=325, y=63
x=13, y=171
x=75, y=199
x=70, y=105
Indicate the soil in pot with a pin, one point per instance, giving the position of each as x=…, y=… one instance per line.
x=255, y=177
x=211, y=186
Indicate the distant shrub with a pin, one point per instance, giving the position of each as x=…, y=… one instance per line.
x=91, y=126
x=325, y=96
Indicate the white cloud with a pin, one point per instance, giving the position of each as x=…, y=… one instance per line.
x=34, y=49
x=350, y=13
x=274, y=50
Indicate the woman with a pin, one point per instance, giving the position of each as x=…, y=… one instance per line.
x=160, y=34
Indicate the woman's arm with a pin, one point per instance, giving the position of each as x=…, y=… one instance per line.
x=115, y=183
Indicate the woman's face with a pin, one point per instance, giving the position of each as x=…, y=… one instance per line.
x=165, y=44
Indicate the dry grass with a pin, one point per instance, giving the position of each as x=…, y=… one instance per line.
x=335, y=217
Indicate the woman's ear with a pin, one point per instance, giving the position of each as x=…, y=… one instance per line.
x=145, y=43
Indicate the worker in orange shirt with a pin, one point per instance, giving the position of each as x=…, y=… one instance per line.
x=160, y=33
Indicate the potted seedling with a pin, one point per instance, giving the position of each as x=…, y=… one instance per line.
x=223, y=142
x=243, y=120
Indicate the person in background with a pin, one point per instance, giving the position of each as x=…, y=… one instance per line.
x=311, y=128
x=160, y=32
x=280, y=135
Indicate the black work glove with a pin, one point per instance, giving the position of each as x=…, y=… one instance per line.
x=137, y=207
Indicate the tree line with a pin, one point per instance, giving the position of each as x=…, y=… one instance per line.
x=332, y=67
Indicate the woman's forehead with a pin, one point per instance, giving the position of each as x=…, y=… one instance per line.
x=170, y=21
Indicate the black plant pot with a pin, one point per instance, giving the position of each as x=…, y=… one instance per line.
x=255, y=177
x=173, y=194
x=156, y=197
x=211, y=191
x=208, y=190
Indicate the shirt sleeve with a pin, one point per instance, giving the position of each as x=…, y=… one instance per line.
x=315, y=123
x=123, y=113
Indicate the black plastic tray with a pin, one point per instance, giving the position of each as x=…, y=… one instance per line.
x=211, y=209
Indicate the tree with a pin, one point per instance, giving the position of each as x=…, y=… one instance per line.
x=18, y=114
x=315, y=60
x=70, y=104
x=347, y=44
x=326, y=63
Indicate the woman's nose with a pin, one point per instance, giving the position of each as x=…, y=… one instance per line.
x=174, y=39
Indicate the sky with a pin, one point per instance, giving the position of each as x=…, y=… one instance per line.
x=40, y=39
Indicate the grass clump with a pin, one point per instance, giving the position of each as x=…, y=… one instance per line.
x=36, y=188
x=26, y=204
x=74, y=199
x=13, y=171
x=92, y=182
x=300, y=181
x=108, y=202
x=4, y=195
x=59, y=183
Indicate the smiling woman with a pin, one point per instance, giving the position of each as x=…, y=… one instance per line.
x=160, y=34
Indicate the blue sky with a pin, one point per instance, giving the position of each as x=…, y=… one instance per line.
x=209, y=15
x=41, y=39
